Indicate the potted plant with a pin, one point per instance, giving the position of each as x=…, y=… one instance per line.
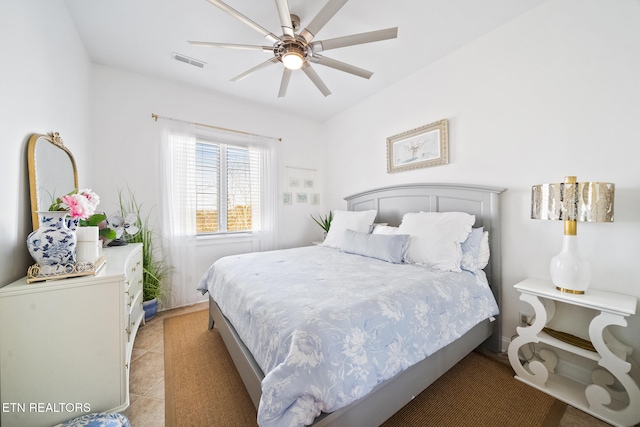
x=324, y=223
x=155, y=269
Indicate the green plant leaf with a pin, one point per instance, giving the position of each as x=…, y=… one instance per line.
x=155, y=270
x=324, y=223
x=108, y=233
x=96, y=219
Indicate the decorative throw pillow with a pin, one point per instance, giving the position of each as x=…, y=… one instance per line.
x=388, y=248
x=99, y=419
x=348, y=220
x=436, y=238
x=471, y=250
x=483, y=255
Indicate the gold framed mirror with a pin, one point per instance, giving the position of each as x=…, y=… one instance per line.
x=52, y=172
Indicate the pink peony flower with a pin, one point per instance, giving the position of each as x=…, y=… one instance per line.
x=80, y=204
x=77, y=205
x=92, y=198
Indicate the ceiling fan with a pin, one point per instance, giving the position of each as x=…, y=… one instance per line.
x=297, y=50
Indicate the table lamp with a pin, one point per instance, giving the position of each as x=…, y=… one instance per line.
x=572, y=201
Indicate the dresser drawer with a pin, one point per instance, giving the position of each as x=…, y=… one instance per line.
x=134, y=269
x=136, y=313
x=133, y=292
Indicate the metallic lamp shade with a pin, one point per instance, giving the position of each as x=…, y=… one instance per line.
x=573, y=201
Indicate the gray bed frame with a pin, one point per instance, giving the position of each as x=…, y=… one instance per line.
x=390, y=396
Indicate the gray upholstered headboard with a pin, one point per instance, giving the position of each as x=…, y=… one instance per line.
x=482, y=201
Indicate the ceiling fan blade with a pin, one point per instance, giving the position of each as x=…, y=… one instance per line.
x=232, y=46
x=254, y=69
x=315, y=78
x=342, y=66
x=355, y=39
x=285, y=17
x=320, y=20
x=240, y=17
x=286, y=76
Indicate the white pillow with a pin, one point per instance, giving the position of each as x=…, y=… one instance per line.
x=348, y=220
x=483, y=255
x=436, y=238
x=385, y=229
x=374, y=225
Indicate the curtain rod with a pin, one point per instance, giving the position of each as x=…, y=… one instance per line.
x=155, y=117
x=303, y=169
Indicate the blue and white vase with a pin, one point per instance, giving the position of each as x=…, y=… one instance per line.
x=54, y=243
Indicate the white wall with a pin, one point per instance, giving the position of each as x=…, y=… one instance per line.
x=126, y=147
x=48, y=83
x=45, y=86
x=554, y=92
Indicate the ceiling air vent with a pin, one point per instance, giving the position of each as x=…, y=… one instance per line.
x=187, y=60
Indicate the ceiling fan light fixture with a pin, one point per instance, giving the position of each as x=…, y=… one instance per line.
x=297, y=50
x=292, y=59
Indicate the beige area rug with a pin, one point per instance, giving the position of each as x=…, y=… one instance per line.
x=203, y=388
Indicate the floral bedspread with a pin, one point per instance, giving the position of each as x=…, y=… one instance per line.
x=326, y=327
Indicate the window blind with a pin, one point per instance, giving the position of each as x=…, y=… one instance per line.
x=228, y=188
x=207, y=187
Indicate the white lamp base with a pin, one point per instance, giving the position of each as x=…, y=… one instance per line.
x=568, y=271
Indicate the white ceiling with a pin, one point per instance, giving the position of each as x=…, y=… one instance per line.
x=140, y=36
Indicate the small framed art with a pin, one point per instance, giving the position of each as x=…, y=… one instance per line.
x=419, y=148
x=286, y=198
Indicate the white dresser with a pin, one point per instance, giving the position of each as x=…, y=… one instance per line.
x=65, y=345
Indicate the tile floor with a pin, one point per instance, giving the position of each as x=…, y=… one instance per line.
x=146, y=384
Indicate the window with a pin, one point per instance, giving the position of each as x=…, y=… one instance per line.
x=213, y=181
x=227, y=188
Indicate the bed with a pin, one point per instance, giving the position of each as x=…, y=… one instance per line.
x=383, y=393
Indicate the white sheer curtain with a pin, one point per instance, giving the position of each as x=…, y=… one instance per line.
x=178, y=198
x=265, y=230
x=178, y=208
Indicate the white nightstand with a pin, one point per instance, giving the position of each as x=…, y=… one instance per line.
x=609, y=361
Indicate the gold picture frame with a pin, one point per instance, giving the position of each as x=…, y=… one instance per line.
x=419, y=148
